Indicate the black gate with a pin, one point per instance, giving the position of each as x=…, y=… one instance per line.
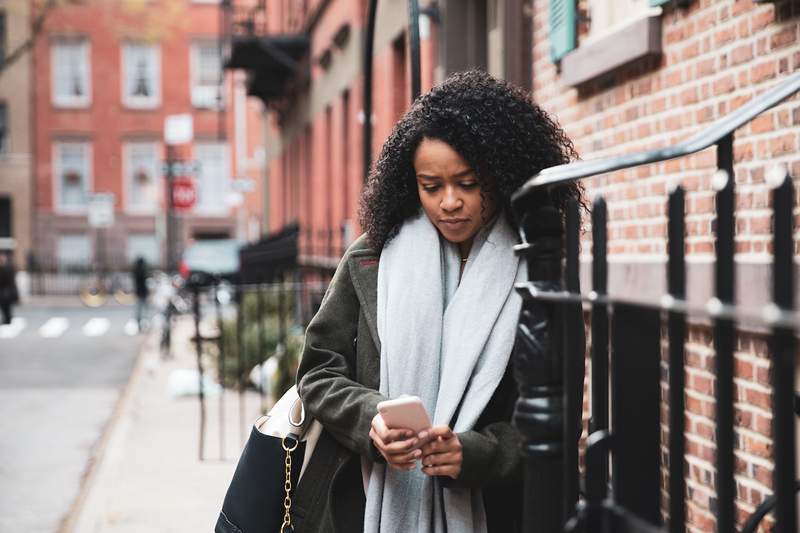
x=623, y=494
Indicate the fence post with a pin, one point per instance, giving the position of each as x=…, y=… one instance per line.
x=538, y=370
x=199, y=347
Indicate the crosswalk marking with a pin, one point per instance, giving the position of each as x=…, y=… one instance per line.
x=54, y=328
x=96, y=327
x=9, y=331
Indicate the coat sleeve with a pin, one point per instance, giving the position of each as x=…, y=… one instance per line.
x=326, y=374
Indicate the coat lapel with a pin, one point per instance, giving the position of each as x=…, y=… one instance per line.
x=363, y=266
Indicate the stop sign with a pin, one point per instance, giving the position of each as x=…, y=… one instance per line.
x=184, y=194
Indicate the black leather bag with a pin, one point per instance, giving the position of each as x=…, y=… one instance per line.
x=259, y=496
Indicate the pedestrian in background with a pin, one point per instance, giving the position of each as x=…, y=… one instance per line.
x=9, y=295
x=424, y=304
x=140, y=288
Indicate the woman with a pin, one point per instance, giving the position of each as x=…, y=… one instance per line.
x=424, y=304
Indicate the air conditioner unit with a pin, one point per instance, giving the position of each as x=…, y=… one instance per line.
x=205, y=97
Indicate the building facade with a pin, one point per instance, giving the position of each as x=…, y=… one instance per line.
x=636, y=75
x=620, y=76
x=16, y=192
x=106, y=75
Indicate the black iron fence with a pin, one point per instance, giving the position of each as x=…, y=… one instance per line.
x=278, y=289
x=623, y=463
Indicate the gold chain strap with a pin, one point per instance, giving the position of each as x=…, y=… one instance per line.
x=287, y=486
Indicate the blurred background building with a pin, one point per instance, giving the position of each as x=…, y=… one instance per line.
x=105, y=76
x=16, y=186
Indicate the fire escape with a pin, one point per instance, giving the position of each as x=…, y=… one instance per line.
x=276, y=63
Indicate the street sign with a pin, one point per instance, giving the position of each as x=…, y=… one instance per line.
x=101, y=210
x=181, y=168
x=184, y=193
x=178, y=129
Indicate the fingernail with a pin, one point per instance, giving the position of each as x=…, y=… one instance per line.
x=423, y=434
x=417, y=453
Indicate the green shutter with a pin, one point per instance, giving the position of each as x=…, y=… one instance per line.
x=656, y=3
x=562, y=28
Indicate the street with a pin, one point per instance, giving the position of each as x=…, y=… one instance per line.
x=62, y=369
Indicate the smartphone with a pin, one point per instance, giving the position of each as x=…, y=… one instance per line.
x=405, y=412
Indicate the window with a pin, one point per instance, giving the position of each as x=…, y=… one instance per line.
x=213, y=177
x=141, y=75
x=3, y=128
x=72, y=175
x=621, y=32
x=70, y=72
x=206, y=72
x=73, y=250
x=607, y=16
x=144, y=245
x=141, y=177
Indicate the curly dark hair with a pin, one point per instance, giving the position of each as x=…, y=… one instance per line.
x=496, y=127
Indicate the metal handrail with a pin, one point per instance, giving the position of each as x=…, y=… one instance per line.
x=711, y=135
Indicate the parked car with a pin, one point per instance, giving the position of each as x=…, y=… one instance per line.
x=207, y=259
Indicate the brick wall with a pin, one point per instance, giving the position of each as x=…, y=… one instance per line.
x=717, y=55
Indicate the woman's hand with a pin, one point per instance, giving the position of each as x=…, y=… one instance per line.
x=441, y=452
x=398, y=446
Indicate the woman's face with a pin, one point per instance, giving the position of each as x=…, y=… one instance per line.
x=450, y=193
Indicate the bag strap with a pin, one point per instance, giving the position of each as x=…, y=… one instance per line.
x=289, y=443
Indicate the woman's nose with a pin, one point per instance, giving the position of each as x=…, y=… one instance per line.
x=450, y=200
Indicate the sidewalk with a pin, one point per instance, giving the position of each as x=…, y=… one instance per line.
x=148, y=477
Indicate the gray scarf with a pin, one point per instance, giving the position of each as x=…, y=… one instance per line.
x=448, y=343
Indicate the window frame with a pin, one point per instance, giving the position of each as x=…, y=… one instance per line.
x=68, y=101
x=140, y=102
x=127, y=177
x=194, y=71
x=58, y=205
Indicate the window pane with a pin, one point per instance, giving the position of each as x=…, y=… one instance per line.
x=73, y=250
x=73, y=170
x=212, y=180
x=70, y=72
x=208, y=64
x=206, y=71
x=141, y=74
x=142, y=173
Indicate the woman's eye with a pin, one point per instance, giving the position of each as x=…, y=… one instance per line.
x=470, y=184
x=430, y=188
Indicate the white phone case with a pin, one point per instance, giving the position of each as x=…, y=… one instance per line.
x=405, y=412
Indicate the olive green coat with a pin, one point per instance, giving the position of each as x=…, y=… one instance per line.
x=338, y=381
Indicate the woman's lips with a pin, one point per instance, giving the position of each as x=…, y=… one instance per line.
x=454, y=223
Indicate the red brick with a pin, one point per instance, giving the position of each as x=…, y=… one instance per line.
x=724, y=36
x=724, y=85
x=762, y=124
x=782, y=145
x=784, y=37
x=763, y=17
x=741, y=54
x=763, y=71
